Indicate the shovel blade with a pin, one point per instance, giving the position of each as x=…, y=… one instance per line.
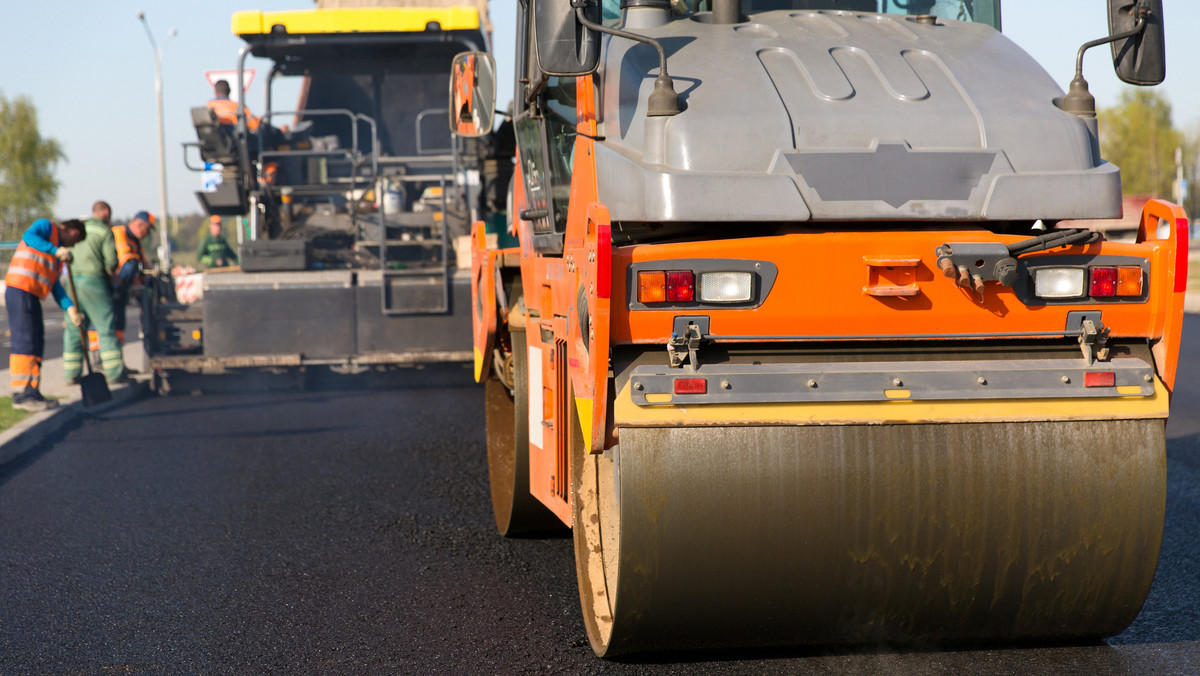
x=94, y=389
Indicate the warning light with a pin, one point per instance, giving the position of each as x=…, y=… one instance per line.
x=652, y=287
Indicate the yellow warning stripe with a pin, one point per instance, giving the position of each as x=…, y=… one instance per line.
x=628, y=414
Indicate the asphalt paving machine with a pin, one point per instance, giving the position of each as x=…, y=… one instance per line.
x=348, y=209
x=789, y=335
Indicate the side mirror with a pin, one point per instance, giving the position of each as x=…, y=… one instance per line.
x=565, y=47
x=472, y=94
x=1140, y=59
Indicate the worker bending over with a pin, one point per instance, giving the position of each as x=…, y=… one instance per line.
x=33, y=275
x=95, y=263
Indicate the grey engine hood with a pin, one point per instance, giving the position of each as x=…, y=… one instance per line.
x=797, y=116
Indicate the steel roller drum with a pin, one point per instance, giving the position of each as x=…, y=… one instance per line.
x=758, y=536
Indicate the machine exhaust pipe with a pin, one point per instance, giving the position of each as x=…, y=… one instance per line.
x=726, y=11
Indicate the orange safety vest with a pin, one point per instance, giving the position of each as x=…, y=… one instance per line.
x=32, y=270
x=226, y=110
x=128, y=248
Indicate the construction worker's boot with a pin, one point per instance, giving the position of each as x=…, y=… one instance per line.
x=32, y=400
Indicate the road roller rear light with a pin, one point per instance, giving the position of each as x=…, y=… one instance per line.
x=691, y=386
x=681, y=286
x=1058, y=282
x=652, y=287
x=726, y=287
x=1103, y=283
x=1129, y=280
x=1100, y=379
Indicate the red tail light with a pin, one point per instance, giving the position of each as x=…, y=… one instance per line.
x=1103, y=282
x=681, y=286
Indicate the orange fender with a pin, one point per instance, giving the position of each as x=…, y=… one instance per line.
x=1170, y=325
x=483, y=301
x=588, y=325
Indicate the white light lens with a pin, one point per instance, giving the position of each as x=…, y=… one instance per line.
x=726, y=287
x=1058, y=283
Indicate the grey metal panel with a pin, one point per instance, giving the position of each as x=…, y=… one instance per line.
x=312, y=321
x=923, y=381
x=635, y=192
x=1023, y=196
x=275, y=280
x=408, y=334
x=789, y=83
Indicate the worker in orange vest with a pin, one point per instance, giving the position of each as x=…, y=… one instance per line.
x=131, y=260
x=226, y=108
x=33, y=275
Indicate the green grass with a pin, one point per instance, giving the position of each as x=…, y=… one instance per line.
x=10, y=416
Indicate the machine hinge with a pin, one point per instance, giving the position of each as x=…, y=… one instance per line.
x=1093, y=339
x=686, y=336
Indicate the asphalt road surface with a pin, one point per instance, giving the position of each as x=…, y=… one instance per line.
x=350, y=532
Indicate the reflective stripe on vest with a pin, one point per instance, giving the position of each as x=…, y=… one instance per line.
x=33, y=271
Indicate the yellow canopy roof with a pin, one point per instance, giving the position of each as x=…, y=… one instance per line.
x=357, y=20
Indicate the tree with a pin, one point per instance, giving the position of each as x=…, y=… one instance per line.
x=1191, y=172
x=1138, y=136
x=28, y=187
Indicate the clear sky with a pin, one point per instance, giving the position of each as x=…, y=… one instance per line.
x=89, y=69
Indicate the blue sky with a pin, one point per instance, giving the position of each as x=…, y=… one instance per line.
x=89, y=68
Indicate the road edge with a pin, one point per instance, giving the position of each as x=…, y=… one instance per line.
x=26, y=435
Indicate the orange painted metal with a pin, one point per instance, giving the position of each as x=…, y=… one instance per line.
x=1168, y=319
x=818, y=294
x=483, y=300
x=573, y=294
x=892, y=277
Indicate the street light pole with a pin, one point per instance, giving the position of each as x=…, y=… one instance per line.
x=164, y=247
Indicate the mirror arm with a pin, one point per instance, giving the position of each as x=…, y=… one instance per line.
x=1139, y=26
x=664, y=101
x=1079, y=100
x=534, y=90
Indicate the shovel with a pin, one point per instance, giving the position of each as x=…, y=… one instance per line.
x=93, y=386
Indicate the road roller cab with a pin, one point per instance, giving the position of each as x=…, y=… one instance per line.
x=790, y=326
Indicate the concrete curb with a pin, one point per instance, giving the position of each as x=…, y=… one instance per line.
x=19, y=439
